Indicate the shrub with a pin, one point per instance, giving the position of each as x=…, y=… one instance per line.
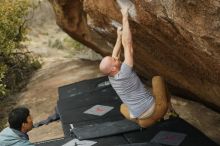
x=17, y=63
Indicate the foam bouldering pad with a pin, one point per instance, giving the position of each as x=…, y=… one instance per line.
x=53, y=142
x=82, y=87
x=74, y=110
x=105, y=129
x=171, y=131
x=107, y=141
x=141, y=144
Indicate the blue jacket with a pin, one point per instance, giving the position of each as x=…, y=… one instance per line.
x=9, y=138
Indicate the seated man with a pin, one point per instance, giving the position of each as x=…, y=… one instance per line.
x=139, y=105
x=20, y=122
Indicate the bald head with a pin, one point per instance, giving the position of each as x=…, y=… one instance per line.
x=106, y=65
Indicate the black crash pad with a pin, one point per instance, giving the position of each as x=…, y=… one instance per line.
x=140, y=144
x=83, y=87
x=72, y=108
x=53, y=142
x=72, y=103
x=105, y=129
x=100, y=96
x=193, y=137
x=107, y=141
x=67, y=127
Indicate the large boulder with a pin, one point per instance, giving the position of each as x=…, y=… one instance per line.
x=179, y=40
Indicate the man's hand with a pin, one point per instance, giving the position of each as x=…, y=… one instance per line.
x=125, y=6
x=124, y=11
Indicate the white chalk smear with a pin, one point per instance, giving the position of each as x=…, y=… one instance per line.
x=132, y=10
x=110, y=44
x=115, y=24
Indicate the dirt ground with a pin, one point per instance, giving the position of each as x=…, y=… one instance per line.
x=60, y=67
x=41, y=93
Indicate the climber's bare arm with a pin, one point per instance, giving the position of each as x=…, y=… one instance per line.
x=127, y=38
x=117, y=48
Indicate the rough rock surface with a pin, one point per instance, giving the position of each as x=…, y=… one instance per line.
x=178, y=39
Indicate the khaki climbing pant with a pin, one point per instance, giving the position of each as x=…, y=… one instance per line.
x=162, y=102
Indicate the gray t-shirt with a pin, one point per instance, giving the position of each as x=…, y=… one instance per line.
x=131, y=90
